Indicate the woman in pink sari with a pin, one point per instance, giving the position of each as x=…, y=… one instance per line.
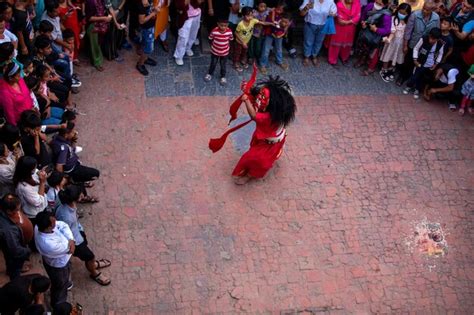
x=348, y=15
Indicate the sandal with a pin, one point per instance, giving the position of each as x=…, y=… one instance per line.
x=100, y=279
x=25, y=268
x=238, y=69
x=366, y=73
x=306, y=62
x=315, y=61
x=89, y=199
x=88, y=184
x=103, y=263
x=99, y=68
x=461, y=111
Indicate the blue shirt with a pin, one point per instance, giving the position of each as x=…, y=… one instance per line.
x=69, y=215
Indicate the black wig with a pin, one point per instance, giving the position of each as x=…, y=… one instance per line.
x=282, y=105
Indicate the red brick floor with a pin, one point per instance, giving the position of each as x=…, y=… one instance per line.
x=328, y=231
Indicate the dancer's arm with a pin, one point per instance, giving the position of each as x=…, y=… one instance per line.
x=248, y=104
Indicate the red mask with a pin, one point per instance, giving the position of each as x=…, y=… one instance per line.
x=263, y=98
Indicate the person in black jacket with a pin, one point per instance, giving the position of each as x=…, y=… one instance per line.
x=11, y=237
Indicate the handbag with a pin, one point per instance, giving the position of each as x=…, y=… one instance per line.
x=369, y=38
x=329, y=27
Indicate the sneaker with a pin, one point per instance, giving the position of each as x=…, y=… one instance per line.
x=70, y=285
x=391, y=78
x=284, y=66
x=416, y=94
x=189, y=53
x=452, y=107
x=207, y=77
x=78, y=149
x=407, y=90
x=292, y=53
x=196, y=42
x=384, y=76
x=75, y=83
x=179, y=61
x=127, y=46
x=142, y=69
x=223, y=81
x=263, y=70
x=150, y=62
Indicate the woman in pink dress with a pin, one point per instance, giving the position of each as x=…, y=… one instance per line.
x=348, y=15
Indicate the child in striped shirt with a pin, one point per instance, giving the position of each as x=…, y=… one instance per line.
x=220, y=38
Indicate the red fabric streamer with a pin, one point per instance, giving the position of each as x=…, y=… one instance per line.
x=217, y=144
x=234, y=107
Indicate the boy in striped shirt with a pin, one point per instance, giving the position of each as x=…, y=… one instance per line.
x=220, y=38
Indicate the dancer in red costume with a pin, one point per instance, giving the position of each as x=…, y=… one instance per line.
x=272, y=107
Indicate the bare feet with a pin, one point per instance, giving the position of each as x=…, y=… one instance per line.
x=241, y=180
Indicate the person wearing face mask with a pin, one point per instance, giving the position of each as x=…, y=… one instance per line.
x=392, y=53
x=419, y=24
x=376, y=23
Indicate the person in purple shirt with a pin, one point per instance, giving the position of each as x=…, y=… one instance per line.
x=375, y=21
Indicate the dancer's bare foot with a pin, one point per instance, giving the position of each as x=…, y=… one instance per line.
x=241, y=180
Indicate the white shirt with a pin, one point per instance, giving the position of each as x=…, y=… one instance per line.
x=9, y=37
x=320, y=11
x=430, y=61
x=6, y=176
x=56, y=34
x=54, y=247
x=451, y=78
x=31, y=201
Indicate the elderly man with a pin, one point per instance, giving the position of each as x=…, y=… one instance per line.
x=419, y=24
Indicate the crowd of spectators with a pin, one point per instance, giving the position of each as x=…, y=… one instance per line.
x=424, y=46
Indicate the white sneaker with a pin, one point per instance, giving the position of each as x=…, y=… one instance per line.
x=416, y=95
x=189, y=53
x=197, y=42
x=179, y=61
x=407, y=90
x=223, y=81
x=207, y=77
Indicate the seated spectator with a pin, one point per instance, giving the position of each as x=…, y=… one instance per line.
x=5, y=35
x=56, y=182
x=67, y=161
x=30, y=187
x=7, y=168
x=427, y=54
x=7, y=56
x=23, y=294
x=52, y=16
x=10, y=135
x=12, y=240
x=443, y=85
x=55, y=243
x=467, y=92
x=33, y=141
x=14, y=94
x=67, y=212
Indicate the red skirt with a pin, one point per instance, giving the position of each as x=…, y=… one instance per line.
x=259, y=159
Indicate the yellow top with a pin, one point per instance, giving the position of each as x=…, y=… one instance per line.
x=245, y=31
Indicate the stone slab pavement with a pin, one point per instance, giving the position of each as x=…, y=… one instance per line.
x=330, y=231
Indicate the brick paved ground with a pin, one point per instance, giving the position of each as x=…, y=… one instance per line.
x=327, y=232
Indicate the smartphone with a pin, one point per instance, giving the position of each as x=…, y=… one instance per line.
x=48, y=169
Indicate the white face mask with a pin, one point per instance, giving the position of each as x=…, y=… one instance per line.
x=377, y=6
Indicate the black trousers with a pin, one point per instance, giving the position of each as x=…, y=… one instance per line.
x=407, y=67
x=222, y=60
x=60, y=280
x=81, y=174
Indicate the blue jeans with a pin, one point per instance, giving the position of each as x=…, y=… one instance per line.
x=267, y=45
x=313, y=39
x=55, y=117
x=63, y=66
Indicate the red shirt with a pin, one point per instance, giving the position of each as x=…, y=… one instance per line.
x=220, y=41
x=265, y=128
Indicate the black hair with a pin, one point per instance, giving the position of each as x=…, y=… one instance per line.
x=46, y=26
x=2, y=149
x=10, y=135
x=40, y=71
x=69, y=127
x=55, y=178
x=246, y=11
x=70, y=194
x=31, y=82
x=4, y=6
x=8, y=68
x=63, y=308
x=259, y=1
x=40, y=284
x=43, y=220
x=42, y=42
x=35, y=309
x=280, y=3
x=281, y=105
x=10, y=202
x=402, y=6
x=447, y=19
x=68, y=115
x=25, y=166
x=222, y=20
x=470, y=2
x=286, y=15
x=2, y=18
x=435, y=33
x=50, y=5
x=385, y=2
x=27, y=61
x=68, y=33
x=30, y=119
x=6, y=51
